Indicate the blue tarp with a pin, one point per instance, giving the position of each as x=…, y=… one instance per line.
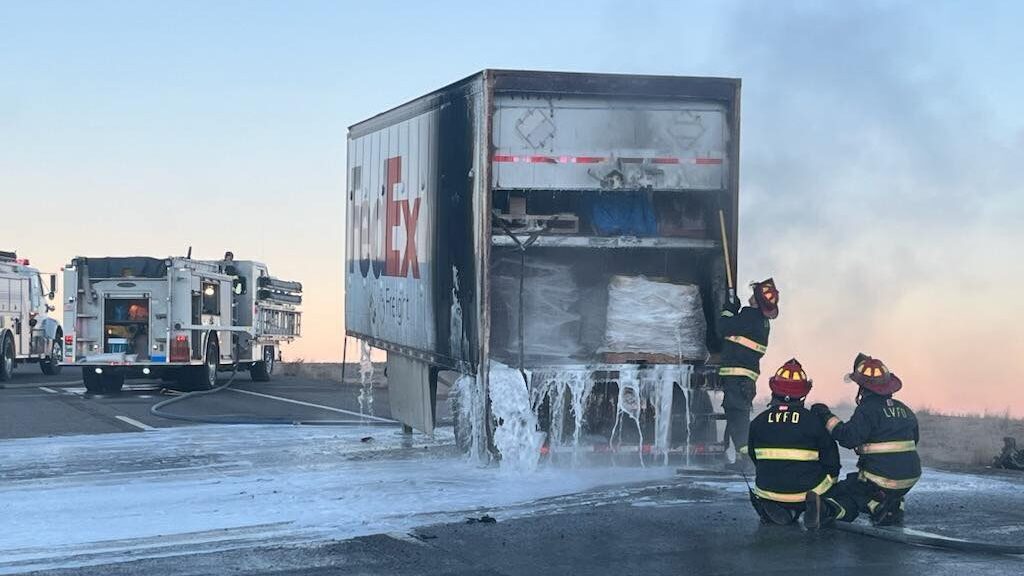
x=622, y=214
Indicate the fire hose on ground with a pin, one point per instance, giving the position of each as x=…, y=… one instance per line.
x=913, y=537
x=919, y=538
x=158, y=410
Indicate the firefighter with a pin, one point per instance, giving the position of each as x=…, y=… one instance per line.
x=883, y=431
x=745, y=340
x=793, y=452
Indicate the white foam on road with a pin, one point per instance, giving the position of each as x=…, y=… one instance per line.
x=86, y=500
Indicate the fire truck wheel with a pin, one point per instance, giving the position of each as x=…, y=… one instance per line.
x=6, y=359
x=93, y=381
x=51, y=365
x=261, y=371
x=205, y=377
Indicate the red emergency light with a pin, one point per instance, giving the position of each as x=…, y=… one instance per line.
x=23, y=261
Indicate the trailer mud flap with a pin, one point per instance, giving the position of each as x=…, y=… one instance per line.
x=412, y=392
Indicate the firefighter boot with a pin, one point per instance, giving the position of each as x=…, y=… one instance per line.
x=819, y=512
x=898, y=517
x=886, y=510
x=771, y=512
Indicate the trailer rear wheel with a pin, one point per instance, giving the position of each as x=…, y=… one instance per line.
x=261, y=371
x=51, y=365
x=6, y=359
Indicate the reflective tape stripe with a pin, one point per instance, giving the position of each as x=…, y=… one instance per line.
x=724, y=371
x=832, y=423
x=564, y=159
x=841, y=513
x=727, y=314
x=791, y=497
x=889, y=483
x=794, y=454
x=872, y=504
x=744, y=450
x=893, y=447
x=748, y=343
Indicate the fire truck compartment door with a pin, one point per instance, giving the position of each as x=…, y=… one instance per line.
x=50, y=328
x=410, y=392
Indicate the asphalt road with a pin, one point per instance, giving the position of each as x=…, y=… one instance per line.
x=33, y=405
x=683, y=525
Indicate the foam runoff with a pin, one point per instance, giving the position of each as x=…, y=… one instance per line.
x=517, y=435
x=365, y=380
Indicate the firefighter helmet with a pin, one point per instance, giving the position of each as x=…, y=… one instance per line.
x=790, y=380
x=767, y=297
x=874, y=375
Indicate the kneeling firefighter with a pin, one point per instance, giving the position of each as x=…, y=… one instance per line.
x=793, y=452
x=884, y=432
x=745, y=340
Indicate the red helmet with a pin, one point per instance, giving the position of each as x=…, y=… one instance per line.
x=790, y=380
x=873, y=374
x=767, y=297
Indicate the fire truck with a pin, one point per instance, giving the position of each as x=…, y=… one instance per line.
x=178, y=319
x=27, y=333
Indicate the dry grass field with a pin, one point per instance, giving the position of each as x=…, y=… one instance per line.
x=964, y=440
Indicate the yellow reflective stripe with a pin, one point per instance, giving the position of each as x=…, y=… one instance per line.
x=872, y=504
x=832, y=423
x=893, y=447
x=824, y=485
x=727, y=314
x=747, y=342
x=795, y=454
x=889, y=483
x=793, y=497
x=744, y=450
x=730, y=371
x=842, y=511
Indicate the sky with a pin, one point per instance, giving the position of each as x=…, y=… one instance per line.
x=880, y=150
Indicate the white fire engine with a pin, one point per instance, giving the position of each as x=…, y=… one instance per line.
x=27, y=333
x=175, y=318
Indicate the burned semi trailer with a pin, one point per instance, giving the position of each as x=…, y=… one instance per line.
x=566, y=226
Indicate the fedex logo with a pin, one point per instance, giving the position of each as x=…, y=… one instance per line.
x=383, y=225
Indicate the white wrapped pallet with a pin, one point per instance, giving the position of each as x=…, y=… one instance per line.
x=551, y=318
x=651, y=317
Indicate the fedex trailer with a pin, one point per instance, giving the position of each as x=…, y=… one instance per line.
x=506, y=219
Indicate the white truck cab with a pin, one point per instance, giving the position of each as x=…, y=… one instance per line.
x=27, y=333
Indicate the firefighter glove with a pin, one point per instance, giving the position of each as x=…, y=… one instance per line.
x=821, y=411
x=732, y=304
